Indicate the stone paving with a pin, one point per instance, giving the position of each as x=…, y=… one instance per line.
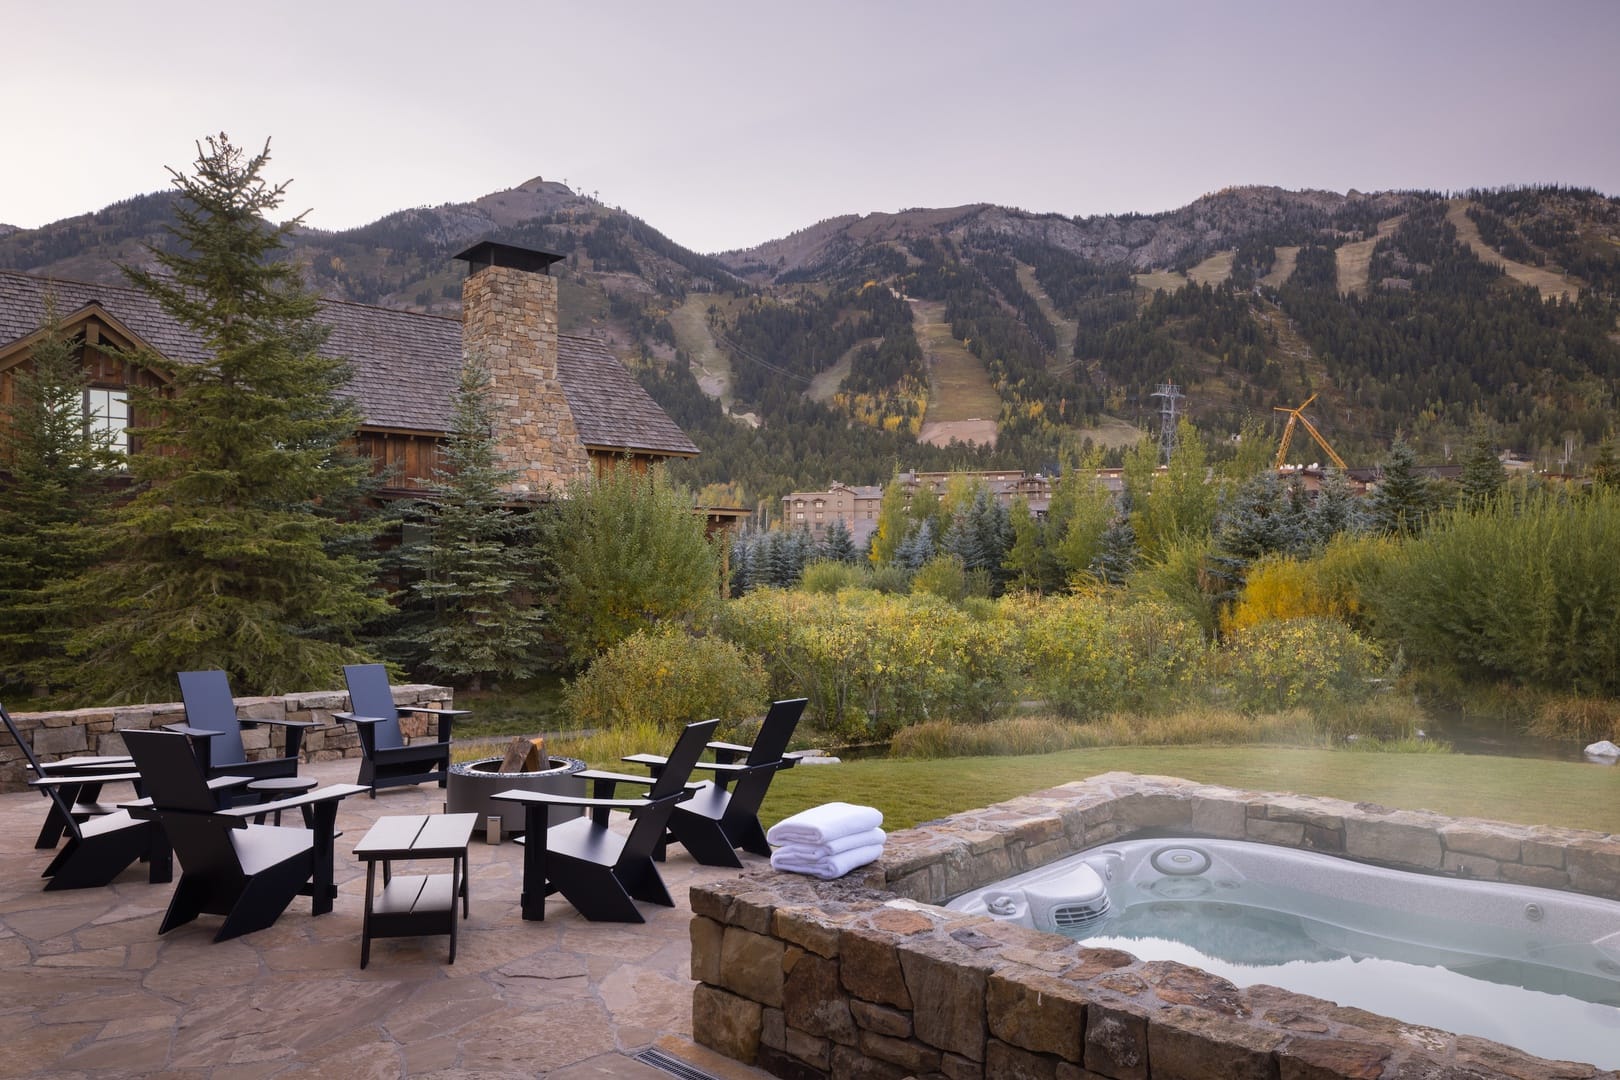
x=91, y=990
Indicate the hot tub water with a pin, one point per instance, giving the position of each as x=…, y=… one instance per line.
x=1536, y=968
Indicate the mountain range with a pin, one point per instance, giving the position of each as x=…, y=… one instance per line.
x=981, y=335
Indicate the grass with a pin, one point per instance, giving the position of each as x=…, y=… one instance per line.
x=1213, y=270
x=1282, y=267
x=1522, y=790
x=1549, y=280
x=711, y=366
x=1168, y=280
x=515, y=708
x=1354, y=259
x=1067, y=329
x=959, y=389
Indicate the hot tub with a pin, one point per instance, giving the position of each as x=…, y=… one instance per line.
x=1535, y=968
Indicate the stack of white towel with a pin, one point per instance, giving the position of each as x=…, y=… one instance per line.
x=827, y=841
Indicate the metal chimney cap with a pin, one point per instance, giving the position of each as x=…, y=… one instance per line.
x=494, y=253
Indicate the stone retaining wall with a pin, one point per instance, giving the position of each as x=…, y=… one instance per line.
x=57, y=735
x=861, y=978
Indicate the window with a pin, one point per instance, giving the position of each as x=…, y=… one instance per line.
x=106, y=412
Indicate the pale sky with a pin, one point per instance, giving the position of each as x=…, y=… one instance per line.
x=728, y=124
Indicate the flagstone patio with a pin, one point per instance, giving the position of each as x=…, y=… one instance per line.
x=91, y=990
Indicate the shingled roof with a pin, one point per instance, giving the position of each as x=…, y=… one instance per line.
x=404, y=364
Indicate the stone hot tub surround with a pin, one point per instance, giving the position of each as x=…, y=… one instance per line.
x=57, y=735
x=864, y=978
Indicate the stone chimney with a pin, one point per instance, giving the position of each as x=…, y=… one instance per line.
x=509, y=323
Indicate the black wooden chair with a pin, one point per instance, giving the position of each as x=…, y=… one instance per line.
x=599, y=871
x=216, y=732
x=76, y=796
x=101, y=847
x=386, y=760
x=247, y=873
x=723, y=814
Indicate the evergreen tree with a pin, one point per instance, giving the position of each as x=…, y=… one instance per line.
x=917, y=548
x=1116, y=554
x=1337, y=509
x=1606, y=469
x=472, y=579
x=838, y=544
x=1031, y=562
x=54, y=472
x=1483, y=474
x=1401, y=502
x=221, y=560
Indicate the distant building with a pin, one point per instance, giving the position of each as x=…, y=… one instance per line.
x=857, y=506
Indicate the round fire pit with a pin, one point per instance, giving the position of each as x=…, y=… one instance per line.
x=471, y=783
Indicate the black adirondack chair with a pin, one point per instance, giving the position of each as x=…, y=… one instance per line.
x=600, y=871
x=247, y=873
x=216, y=732
x=386, y=760
x=100, y=848
x=723, y=815
x=76, y=795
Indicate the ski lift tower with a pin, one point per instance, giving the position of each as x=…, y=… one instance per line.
x=1168, y=411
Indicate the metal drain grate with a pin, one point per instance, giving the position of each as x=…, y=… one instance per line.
x=672, y=1065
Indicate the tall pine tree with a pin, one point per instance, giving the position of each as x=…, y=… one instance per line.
x=1402, y=502
x=224, y=557
x=472, y=580
x=54, y=472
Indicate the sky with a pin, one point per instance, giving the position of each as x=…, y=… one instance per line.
x=725, y=125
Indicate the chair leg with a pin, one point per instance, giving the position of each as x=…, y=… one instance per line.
x=265, y=896
x=750, y=836
x=597, y=895
x=186, y=903
x=642, y=881
x=704, y=840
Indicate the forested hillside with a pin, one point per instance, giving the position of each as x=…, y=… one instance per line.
x=1409, y=313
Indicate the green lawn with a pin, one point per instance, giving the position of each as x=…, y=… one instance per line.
x=1529, y=791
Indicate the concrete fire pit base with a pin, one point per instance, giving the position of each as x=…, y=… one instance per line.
x=472, y=783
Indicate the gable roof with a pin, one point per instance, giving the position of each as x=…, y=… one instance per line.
x=404, y=364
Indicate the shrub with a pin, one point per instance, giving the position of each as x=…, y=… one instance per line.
x=1297, y=663
x=1523, y=591
x=890, y=578
x=667, y=678
x=942, y=576
x=629, y=552
x=1089, y=655
x=871, y=663
x=1567, y=716
x=831, y=576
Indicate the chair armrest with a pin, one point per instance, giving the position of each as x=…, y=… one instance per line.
x=103, y=763
x=287, y=723
x=733, y=767
x=216, y=784
x=434, y=712
x=736, y=748
x=80, y=779
x=652, y=761
x=191, y=732
x=549, y=799
x=351, y=718
x=627, y=778
x=329, y=793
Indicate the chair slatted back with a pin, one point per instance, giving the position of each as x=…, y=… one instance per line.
x=776, y=730
x=649, y=825
x=62, y=808
x=209, y=705
x=370, y=695
x=174, y=780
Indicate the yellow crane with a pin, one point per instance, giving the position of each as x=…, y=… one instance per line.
x=1297, y=416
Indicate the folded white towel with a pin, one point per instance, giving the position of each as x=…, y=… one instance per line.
x=838, y=844
x=824, y=823
x=794, y=860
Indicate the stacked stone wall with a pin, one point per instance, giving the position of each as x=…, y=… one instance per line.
x=862, y=978
x=509, y=324
x=69, y=733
